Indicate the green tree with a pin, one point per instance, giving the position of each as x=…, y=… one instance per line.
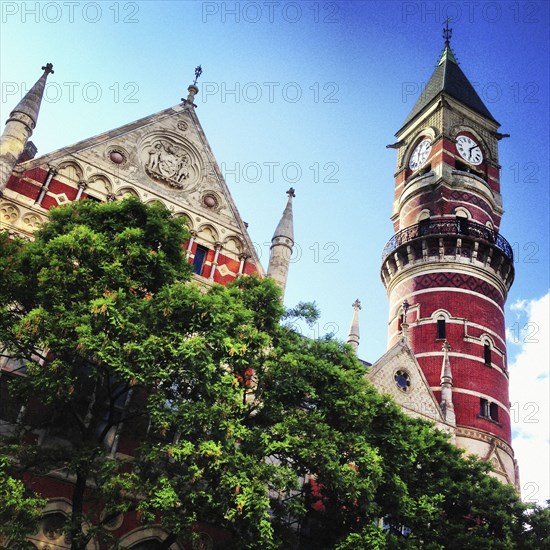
x=226, y=416
x=20, y=508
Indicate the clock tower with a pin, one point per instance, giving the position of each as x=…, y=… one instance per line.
x=447, y=270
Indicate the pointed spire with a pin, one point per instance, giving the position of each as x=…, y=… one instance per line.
x=447, y=406
x=353, y=337
x=30, y=104
x=19, y=127
x=448, y=78
x=282, y=244
x=285, y=228
x=447, y=55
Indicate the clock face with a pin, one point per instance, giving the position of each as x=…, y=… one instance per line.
x=420, y=154
x=469, y=150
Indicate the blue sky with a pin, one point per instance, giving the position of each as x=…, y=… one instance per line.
x=309, y=94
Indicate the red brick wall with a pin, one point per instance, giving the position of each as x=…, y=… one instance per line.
x=472, y=315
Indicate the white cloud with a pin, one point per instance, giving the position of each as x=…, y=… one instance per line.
x=520, y=305
x=530, y=397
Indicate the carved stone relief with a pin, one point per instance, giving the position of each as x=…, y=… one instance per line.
x=168, y=162
x=9, y=213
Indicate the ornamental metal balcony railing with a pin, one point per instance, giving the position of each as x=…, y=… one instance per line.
x=458, y=226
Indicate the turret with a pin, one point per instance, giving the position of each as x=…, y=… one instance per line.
x=282, y=245
x=19, y=127
x=353, y=337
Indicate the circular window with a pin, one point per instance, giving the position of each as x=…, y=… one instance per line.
x=117, y=156
x=53, y=525
x=403, y=380
x=210, y=201
x=114, y=523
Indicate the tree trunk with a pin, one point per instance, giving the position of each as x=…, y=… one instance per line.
x=77, y=542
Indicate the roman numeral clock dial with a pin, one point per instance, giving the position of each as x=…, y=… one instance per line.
x=469, y=150
x=420, y=154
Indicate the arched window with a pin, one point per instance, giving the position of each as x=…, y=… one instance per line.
x=461, y=212
x=199, y=259
x=462, y=217
x=487, y=354
x=424, y=215
x=423, y=222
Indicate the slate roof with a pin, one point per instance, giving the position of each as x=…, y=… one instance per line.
x=448, y=78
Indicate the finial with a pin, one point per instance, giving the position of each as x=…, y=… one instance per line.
x=446, y=346
x=198, y=72
x=48, y=68
x=447, y=32
x=291, y=193
x=192, y=89
x=353, y=337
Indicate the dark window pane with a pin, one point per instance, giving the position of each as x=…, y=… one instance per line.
x=487, y=354
x=441, y=332
x=483, y=407
x=198, y=261
x=493, y=411
x=147, y=545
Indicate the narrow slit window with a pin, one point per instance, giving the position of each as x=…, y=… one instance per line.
x=441, y=329
x=487, y=354
x=493, y=412
x=483, y=406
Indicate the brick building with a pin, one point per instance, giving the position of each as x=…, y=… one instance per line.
x=447, y=270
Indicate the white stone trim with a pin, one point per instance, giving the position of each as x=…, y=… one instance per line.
x=476, y=394
x=459, y=355
x=448, y=289
x=461, y=265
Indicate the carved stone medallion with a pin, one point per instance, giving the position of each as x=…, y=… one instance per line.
x=168, y=162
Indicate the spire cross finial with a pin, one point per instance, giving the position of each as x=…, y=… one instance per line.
x=446, y=346
x=356, y=305
x=198, y=72
x=291, y=192
x=447, y=32
x=48, y=68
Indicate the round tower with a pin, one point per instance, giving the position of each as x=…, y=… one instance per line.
x=448, y=262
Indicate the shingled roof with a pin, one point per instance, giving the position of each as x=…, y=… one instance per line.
x=448, y=78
